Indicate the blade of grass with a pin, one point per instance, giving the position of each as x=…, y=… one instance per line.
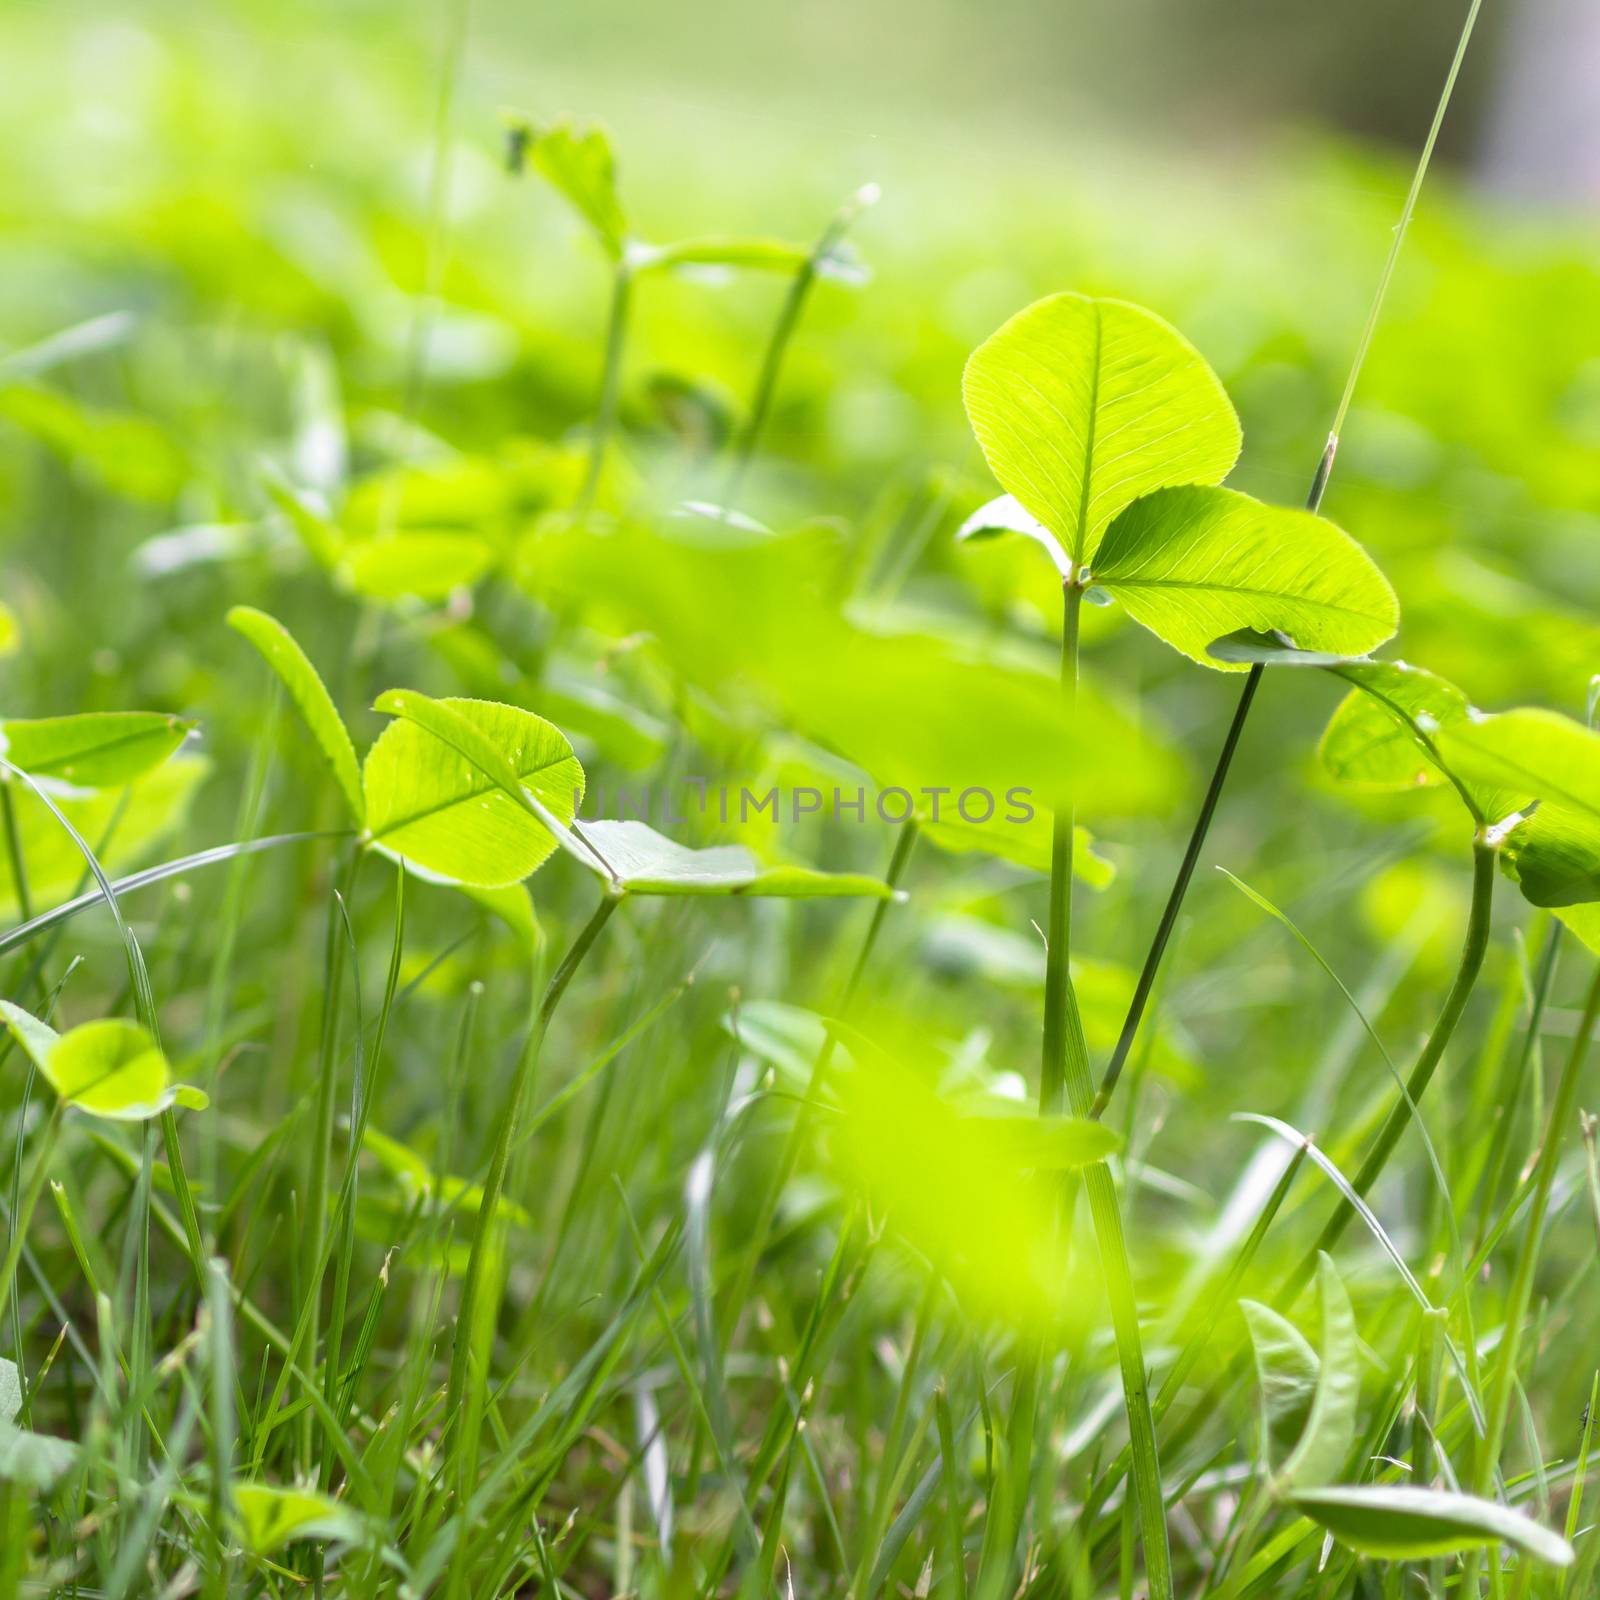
x=1319, y=485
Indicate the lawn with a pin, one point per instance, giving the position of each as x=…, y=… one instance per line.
x=740, y=864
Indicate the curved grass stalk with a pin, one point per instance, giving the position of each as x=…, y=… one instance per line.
x=1563, y=1114
x=1319, y=485
x=1416, y=1085
x=144, y=1001
x=460, y=1403
x=24, y=932
x=22, y=1213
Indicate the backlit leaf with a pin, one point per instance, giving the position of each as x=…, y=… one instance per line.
x=989, y=1219
x=269, y=1518
x=310, y=695
x=429, y=566
x=1286, y=1371
x=642, y=861
x=111, y=1068
x=1192, y=564
x=420, y=1182
x=576, y=158
x=121, y=824
x=430, y=805
x=1383, y=737
x=95, y=750
x=748, y=255
x=1540, y=756
x=1408, y=1524
x=1083, y=405
x=10, y=633
x=1330, y=1428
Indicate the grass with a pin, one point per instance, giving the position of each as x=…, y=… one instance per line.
x=552, y=1237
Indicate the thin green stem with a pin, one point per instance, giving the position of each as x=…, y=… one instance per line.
x=1064, y=1061
x=1563, y=1115
x=1471, y=963
x=23, y=1215
x=1065, y=1069
x=1406, y=213
x=333, y=969
x=783, y=330
x=1180, y=887
x=605, y=421
x=1319, y=485
x=1494, y=1177
x=484, y=1224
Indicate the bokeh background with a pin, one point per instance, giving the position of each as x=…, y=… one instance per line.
x=298, y=221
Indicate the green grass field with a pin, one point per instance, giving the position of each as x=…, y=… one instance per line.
x=595, y=1004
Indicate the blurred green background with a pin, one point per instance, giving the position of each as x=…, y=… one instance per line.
x=301, y=217
x=294, y=224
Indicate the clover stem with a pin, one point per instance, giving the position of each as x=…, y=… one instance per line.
x=794, y=304
x=1065, y=1072
x=605, y=421
x=485, y=1222
x=30, y=1199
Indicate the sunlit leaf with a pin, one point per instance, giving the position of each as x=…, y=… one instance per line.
x=310, y=695
x=1041, y=1144
x=1027, y=844
x=426, y=565
x=269, y=1518
x=1192, y=564
x=1553, y=851
x=576, y=158
x=10, y=632
x=1584, y=923
x=430, y=805
x=121, y=825
x=1286, y=1372
x=111, y=1069
x=1412, y=1524
x=95, y=750
x=1330, y=1428
x=419, y=1182
x=513, y=905
x=988, y=1219
x=745, y=255
x=642, y=861
x=1383, y=737
x=915, y=708
x=1083, y=405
